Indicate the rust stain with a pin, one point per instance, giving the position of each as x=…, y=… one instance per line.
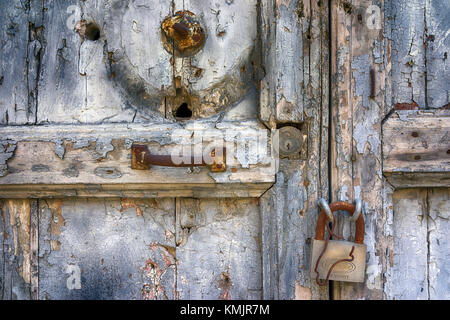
x=19, y=219
x=126, y=203
x=225, y=284
x=182, y=34
x=57, y=222
x=407, y=106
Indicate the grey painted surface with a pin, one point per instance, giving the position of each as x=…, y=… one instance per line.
x=219, y=249
x=419, y=266
x=119, y=254
x=49, y=73
x=420, y=44
x=437, y=52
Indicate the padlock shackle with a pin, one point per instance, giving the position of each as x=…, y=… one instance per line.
x=336, y=206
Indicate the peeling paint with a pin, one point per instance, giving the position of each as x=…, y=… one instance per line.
x=365, y=130
x=128, y=203
x=57, y=222
x=59, y=148
x=102, y=147
x=19, y=219
x=7, y=148
x=225, y=284
x=342, y=55
x=361, y=74
x=154, y=289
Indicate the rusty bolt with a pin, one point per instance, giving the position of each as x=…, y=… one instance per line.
x=182, y=34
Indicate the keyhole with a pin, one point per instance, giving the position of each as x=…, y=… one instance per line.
x=288, y=145
x=183, y=111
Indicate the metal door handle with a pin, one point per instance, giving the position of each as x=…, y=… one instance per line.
x=142, y=158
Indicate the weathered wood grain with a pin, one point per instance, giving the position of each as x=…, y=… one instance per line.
x=96, y=249
x=437, y=19
x=16, y=253
x=75, y=84
x=66, y=161
x=62, y=89
x=19, y=60
x=438, y=256
x=284, y=25
x=34, y=249
x=408, y=277
x=218, y=249
x=407, y=21
x=289, y=208
x=358, y=99
x=418, y=227
x=417, y=145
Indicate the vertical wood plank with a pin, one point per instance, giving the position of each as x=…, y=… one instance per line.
x=19, y=60
x=438, y=243
x=358, y=93
x=104, y=102
x=34, y=249
x=341, y=114
x=407, y=20
x=15, y=259
x=218, y=249
x=289, y=209
x=107, y=249
x=407, y=278
x=437, y=24
x=62, y=89
x=284, y=25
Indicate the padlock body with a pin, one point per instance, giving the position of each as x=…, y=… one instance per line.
x=336, y=250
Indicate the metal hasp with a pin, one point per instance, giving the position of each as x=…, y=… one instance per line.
x=142, y=159
x=338, y=260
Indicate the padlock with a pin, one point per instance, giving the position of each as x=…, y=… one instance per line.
x=334, y=259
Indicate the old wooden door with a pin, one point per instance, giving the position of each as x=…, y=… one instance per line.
x=81, y=81
x=84, y=80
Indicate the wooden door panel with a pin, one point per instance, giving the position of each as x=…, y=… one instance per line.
x=107, y=249
x=366, y=83
x=419, y=258
x=219, y=249
x=18, y=252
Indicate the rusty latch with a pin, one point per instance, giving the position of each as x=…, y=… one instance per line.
x=141, y=159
